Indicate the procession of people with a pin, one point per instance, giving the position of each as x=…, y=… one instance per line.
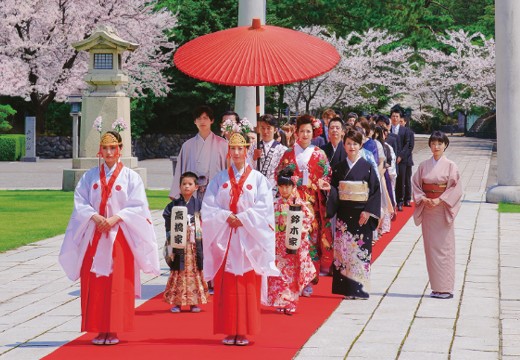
x=259, y=222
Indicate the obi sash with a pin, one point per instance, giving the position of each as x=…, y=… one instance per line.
x=433, y=191
x=353, y=191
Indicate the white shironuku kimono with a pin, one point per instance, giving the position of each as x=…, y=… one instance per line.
x=128, y=201
x=252, y=246
x=203, y=157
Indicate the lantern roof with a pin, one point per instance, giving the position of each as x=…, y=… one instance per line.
x=105, y=37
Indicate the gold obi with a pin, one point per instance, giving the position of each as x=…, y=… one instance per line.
x=353, y=191
x=433, y=191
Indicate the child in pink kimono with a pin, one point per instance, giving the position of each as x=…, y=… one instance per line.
x=297, y=270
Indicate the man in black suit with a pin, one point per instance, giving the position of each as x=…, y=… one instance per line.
x=334, y=149
x=408, y=176
x=403, y=150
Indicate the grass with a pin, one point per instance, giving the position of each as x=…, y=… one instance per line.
x=27, y=216
x=508, y=208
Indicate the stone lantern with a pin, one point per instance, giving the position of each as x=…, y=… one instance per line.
x=104, y=97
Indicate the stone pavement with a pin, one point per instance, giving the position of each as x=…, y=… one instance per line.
x=47, y=174
x=39, y=306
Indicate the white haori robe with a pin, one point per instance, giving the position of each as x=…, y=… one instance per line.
x=252, y=246
x=128, y=201
x=203, y=157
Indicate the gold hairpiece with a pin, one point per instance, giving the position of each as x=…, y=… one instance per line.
x=109, y=139
x=238, y=139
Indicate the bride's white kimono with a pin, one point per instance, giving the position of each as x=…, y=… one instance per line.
x=128, y=201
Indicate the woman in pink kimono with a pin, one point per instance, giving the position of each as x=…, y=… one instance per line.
x=437, y=193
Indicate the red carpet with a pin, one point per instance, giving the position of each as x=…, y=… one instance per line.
x=162, y=335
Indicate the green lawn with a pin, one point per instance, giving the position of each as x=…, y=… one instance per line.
x=27, y=216
x=508, y=208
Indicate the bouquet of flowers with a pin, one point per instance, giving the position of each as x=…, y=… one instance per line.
x=98, y=125
x=230, y=126
x=119, y=125
x=316, y=128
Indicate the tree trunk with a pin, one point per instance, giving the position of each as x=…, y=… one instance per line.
x=41, y=104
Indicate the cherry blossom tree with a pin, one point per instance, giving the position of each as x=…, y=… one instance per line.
x=38, y=63
x=457, y=79
x=367, y=63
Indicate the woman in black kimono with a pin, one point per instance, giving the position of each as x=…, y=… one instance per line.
x=355, y=197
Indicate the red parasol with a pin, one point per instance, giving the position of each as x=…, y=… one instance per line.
x=256, y=56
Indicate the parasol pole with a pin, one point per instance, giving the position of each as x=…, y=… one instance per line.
x=258, y=140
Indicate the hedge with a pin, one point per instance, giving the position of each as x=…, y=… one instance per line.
x=12, y=147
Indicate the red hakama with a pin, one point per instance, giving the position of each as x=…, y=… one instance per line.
x=236, y=303
x=107, y=302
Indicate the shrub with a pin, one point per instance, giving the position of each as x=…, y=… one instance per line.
x=6, y=111
x=12, y=147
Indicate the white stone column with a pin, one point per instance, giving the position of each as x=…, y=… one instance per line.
x=507, y=33
x=245, y=96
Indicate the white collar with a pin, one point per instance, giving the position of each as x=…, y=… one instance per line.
x=110, y=171
x=238, y=173
x=351, y=164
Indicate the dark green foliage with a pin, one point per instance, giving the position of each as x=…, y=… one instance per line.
x=58, y=121
x=12, y=147
x=6, y=112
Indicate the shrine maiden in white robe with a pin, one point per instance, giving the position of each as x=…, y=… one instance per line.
x=203, y=157
x=128, y=201
x=252, y=246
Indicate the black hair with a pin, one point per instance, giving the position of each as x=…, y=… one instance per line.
x=188, y=174
x=203, y=109
x=269, y=119
x=382, y=118
x=229, y=112
x=378, y=135
x=302, y=120
x=440, y=137
x=354, y=135
x=397, y=109
x=337, y=119
x=284, y=176
x=352, y=115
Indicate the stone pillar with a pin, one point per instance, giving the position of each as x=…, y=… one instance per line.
x=245, y=96
x=30, y=140
x=507, y=33
x=75, y=138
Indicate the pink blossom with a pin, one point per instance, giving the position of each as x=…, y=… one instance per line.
x=98, y=124
x=37, y=59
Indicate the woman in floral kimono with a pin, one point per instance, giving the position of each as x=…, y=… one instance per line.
x=296, y=269
x=310, y=164
x=355, y=197
x=437, y=194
